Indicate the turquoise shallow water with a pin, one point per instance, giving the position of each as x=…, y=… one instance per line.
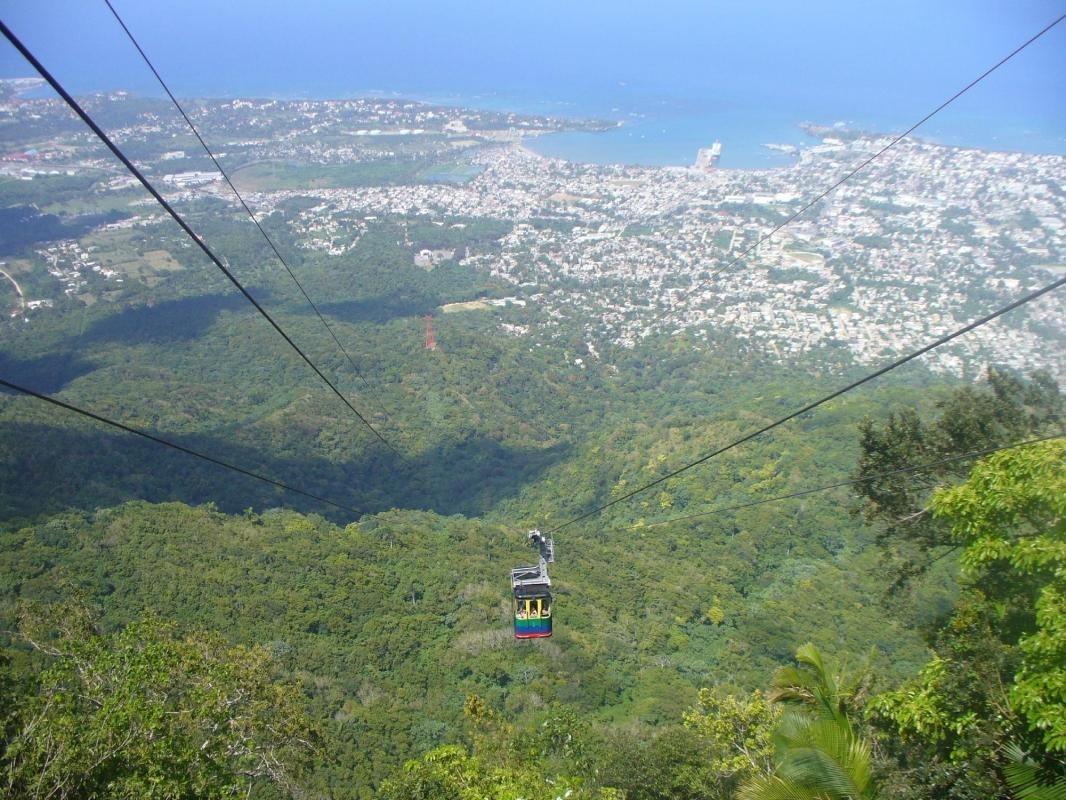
x=678, y=73
x=674, y=142
x=662, y=142
x=668, y=132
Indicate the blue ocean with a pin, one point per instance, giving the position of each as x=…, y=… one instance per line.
x=668, y=131
x=676, y=74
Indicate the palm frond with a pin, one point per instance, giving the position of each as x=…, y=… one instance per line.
x=775, y=787
x=1027, y=781
x=824, y=757
x=819, y=755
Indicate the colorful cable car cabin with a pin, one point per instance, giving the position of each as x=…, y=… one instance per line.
x=532, y=612
x=532, y=593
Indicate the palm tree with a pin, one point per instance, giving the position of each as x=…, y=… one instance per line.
x=1028, y=781
x=818, y=754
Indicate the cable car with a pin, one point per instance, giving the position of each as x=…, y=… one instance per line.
x=532, y=592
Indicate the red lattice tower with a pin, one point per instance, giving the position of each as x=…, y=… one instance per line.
x=431, y=335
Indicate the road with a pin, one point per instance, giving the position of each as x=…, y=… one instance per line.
x=18, y=290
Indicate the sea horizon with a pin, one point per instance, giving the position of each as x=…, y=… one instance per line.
x=665, y=131
x=679, y=75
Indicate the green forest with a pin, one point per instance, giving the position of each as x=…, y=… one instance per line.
x=173, y=630
x=375, y=659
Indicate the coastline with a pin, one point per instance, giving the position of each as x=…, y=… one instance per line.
x=762, y=149
x=753, y=138
x=626, y=145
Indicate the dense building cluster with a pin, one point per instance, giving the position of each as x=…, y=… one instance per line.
x=916, y=245
x=919, y=242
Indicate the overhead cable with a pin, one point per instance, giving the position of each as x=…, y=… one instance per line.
x=70, y=101
x=233, y=188
x=174, y=445
x=831, y=396
x=889, y=146
x=851, y=482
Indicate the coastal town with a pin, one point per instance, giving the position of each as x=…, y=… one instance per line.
x=920, y=241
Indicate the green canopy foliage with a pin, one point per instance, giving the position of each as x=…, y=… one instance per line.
x=1010, y=518
x=147, y=713
x=996, y=682
x=1006, y=409
x=388, y=621
x=739, y=729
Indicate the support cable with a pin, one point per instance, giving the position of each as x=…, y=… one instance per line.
x=894, y=364
x=887, y=147
x=851, y=482
x=233, y=188
x=70, y=101
x=174, y=445
x=831, y=396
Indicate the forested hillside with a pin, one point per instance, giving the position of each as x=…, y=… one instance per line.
x=388, y=627
x=864, y=602
x=392, y=626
